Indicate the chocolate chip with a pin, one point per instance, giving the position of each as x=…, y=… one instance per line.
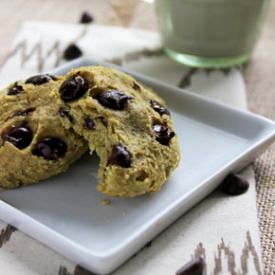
x=136, y=86
x=120, y=156
x=20, y=136
x=15, y=89
x=65, y=113
x=86, y=18
x=159, y=108
x=72, y=52
x=234, y=184
x=73, y=88
x=89, y=123
x=24, y=112
x=112, y=99
x=50, y=148
x=194, y=267
x=104, y=121
x=40, y=79
x=163, y=135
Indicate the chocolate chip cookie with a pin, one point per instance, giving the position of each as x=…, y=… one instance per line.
x=128, y=126
x=33, y=143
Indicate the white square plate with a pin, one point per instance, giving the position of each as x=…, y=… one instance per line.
x=66, y=214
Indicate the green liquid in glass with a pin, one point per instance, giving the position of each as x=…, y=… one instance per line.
x=210, y=33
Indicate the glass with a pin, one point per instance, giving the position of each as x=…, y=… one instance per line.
x=210, y=33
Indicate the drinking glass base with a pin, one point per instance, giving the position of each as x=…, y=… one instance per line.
x=204, y=62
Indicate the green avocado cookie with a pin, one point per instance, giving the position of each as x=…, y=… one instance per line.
x=127, y=125
x=33, y=143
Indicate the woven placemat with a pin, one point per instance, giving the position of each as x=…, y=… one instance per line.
x=260, y=80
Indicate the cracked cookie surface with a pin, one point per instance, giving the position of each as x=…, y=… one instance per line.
x=33, y=143
x=128, y=125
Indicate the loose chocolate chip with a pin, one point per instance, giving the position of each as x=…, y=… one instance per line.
x=163, y=135
x=40, y=79
x=120, y=156
x=86, y=18
x=73, y=88
x=194, y=267
x=159, y=108
x=72, y=52
x=234, y=184
x=24, y=112
x=89, y=123
x=15, y=89
x=65, y=113
x=20, y=136
x=112, y=99
x=50, y=148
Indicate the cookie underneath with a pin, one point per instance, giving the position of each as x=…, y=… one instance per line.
x=33, y=143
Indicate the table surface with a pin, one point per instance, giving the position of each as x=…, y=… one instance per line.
x=259, y=73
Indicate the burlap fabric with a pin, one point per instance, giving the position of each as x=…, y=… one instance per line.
x=260, y=80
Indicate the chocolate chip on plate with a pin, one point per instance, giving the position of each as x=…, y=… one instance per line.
x=163, y=135
x=15, y=89
x=72, y=52
x=159, y=108
x=65, y=113
x=24, y=112
x=234, y=184
x=40, y=79
x=89, y=123
x=193, y=267
x=112, y=99
x=120, y=156
x=73, y=88
x=86, y=18
x=50, y=148
x=20, y=136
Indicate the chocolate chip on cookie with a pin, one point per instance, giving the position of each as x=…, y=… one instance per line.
x=136, y=86
x=89, y=123
x=50, y=148
x=112, y=99
x=24, y=112
x=120, y=156
x=20, y=136
x=73, y=88
x=15, y=89
x=72, y=52
x=159, y=108
x=163, y=135
x=65, y=113
x=103, y=120
x=40, y=79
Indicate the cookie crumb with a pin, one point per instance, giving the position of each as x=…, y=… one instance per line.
x=105, y=202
